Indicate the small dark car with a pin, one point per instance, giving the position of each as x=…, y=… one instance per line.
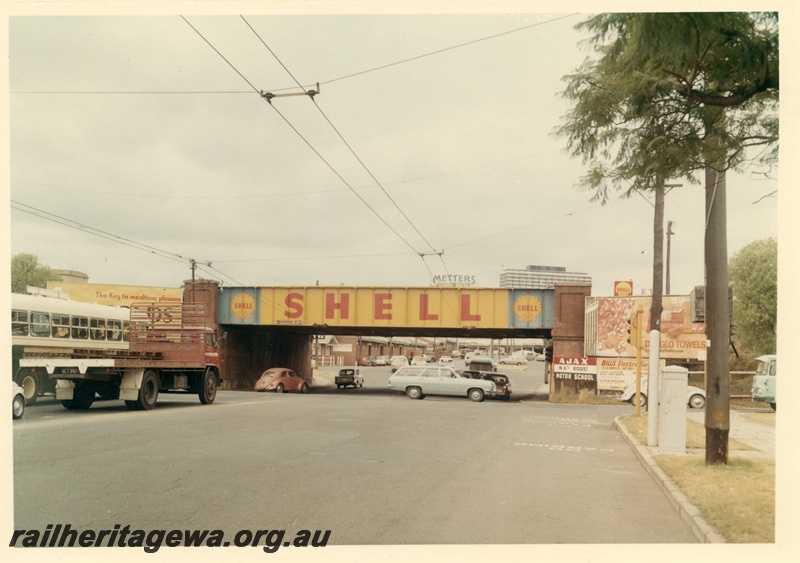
x=348, y=377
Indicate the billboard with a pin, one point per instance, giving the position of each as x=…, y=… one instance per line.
x=607, y=327
x=435, y=307
x=118, y=295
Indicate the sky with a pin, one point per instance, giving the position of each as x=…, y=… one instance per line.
x=430, y=151
x=148, y=130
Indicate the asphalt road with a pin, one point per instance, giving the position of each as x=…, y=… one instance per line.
x=370, y=465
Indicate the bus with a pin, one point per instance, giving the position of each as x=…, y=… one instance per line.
x=43, y=326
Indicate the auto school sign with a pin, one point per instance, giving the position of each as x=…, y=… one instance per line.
x=575, y=369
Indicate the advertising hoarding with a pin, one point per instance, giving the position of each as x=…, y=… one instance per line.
x=118, y=295
x=607, y=326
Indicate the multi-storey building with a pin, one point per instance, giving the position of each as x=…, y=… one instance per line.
x=540, y=277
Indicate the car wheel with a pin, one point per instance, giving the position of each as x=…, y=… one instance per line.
x=642, y=400
x=279, y=388
x=476, y=395
x=18, y=406
x=304, y=388
x=30, y=387
x=414, y=393
x=697, y=401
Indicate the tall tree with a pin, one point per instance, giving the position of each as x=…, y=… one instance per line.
x=667, y=96
x=754, y=274
x=26, y=270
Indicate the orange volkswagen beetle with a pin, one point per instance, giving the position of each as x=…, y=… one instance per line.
x=281, y=380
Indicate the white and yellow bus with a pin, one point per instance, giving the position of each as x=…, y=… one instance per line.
x=43, y=326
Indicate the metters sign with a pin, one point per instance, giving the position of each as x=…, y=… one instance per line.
x=387, y=307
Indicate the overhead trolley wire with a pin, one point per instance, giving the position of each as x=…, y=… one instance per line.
x=355, y=155
x=46, y=215
x=322, y=158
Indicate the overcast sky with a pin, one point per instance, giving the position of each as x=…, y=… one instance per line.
x=149, y=130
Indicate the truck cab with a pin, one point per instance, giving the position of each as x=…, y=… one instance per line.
x=764, y=380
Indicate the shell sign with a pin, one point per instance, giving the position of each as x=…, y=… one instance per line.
x=243, y=305
x=527, y=308
x=623, y=288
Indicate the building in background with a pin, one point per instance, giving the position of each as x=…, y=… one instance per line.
x=540, y=277
x=72, y=276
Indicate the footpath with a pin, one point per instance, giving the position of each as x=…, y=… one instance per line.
x=760, y=437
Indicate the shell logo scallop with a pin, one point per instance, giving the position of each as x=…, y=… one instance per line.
x=623, y=289
x=243, y=305
x=527, y=308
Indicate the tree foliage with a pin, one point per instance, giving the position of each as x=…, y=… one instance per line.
x=661, y=86
x=754, y=274
x=26, y=270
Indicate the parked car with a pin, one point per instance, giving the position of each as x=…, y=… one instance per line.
x=348, y=377
x=445, y=361
x=416, y=382
x=514, y=361
x=530, y=356
x=398, y=362
x=695, y=397
x=764, y=381
x=367, y=361
x=468, y=356
x=17, y=401
x=501, y=380
x=482, y=363
x=381, y=361
x=418, y=361
x=281, y=380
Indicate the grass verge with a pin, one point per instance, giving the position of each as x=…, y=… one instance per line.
x=737, y=499
x=583, y=397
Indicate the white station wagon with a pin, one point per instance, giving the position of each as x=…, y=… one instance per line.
x=418, y=381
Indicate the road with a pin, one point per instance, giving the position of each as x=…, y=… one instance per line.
x=372, y=466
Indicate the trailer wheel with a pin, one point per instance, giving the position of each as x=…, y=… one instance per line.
x=148, y=393
x=82, y=399
x=209, y=392
x=30, y=387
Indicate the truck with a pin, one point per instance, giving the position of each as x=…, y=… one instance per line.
x=169, y=350
x=349, y=376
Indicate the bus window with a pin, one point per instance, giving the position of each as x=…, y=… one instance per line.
x=97, y=329
x=80, y=328
x=60, y=326
x=114, y=330
x=126, y=331
x=19, y=323
x=40, y=324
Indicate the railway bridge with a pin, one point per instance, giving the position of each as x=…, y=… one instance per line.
x=271, y=326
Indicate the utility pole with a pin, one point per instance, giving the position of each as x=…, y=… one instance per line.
x=669, y=245
x=717, y=314
x=194, y=266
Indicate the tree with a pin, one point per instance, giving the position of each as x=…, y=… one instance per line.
x=667, y=96
x=754, y=273
x=26, y=270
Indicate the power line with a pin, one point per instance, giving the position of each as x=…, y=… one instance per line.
x=285, y=194
x=472, y=42
x=349, y=147
x=345, y=77
x=306, y=142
